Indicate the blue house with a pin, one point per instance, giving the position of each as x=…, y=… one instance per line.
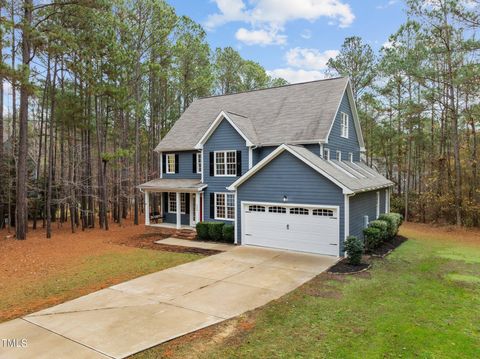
x=283, y=165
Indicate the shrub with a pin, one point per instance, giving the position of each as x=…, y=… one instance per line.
x=354, y=249
x=228, y=233
x=202, y=231
x=394, y=220
x=382, y=226
x=215, y=231
x=372, y=237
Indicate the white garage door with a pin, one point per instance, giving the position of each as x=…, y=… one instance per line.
x=293, y=227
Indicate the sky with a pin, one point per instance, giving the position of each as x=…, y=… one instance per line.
x=293, y=39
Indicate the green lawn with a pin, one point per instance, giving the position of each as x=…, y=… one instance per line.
x=422, y=301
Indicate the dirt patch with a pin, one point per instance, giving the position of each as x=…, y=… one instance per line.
x=319, y=286
x=193, y=345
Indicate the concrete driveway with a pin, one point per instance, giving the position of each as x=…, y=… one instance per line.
x=129, y=317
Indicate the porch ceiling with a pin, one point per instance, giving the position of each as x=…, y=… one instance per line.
x=173, y=185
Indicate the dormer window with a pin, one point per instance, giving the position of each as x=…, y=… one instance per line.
x=344, y=125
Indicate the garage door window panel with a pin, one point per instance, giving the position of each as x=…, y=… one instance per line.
x=322, y=212
x=254, y=208
x=299, y=210
x=277, y=210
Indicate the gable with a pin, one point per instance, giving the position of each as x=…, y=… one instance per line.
x=335, y=140
x=225, y=137
x=287, y=172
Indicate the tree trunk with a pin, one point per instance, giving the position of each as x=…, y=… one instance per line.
x=51, y=147
x=21, y=200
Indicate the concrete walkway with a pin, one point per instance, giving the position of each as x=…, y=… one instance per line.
x=132, y=316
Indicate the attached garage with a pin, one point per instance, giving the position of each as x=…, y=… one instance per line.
x=299, y=227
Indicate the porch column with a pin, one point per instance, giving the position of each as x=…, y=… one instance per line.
x=147, y=208
x=179, y=212
x=197, y=207
x=162, y=204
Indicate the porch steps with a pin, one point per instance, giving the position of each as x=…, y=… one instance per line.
x=185, y=234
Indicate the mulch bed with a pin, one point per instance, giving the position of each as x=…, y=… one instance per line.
x=388, y=247
x=147, y=241
x=343, y=267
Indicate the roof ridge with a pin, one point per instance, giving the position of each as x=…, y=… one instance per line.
x=272, y=88
x=237, y=114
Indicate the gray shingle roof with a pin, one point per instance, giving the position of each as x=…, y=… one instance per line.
x=356, y=176
x=286, y=114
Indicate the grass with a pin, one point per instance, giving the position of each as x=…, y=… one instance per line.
x=422, y=301
x=84, y=276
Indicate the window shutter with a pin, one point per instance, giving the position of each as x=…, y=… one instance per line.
x=239, y=163
x=164, y=163
x=165, y=201
x=176, y=163
x=187, y=203
x=212, y=164
x=212, y=205
x=194, y=162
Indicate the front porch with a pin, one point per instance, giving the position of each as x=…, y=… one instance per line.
x=173, y=203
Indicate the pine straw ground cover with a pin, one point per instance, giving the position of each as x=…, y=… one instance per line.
x=38, y=273
x=421, y=301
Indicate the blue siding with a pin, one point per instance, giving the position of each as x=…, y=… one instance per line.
x=287, y=175
x=261, y=152
x=362, y=204
x=224, y=138
x=185, y=169
x=338, y=143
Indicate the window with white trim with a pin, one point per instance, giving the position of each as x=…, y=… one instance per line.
x=298, y=210
x=199, y=162
x=277, y=210
x=226, y=163
x=224, y=206
x=255, y=208
x=344, y=125
x=339, y=155
x=170, y=158
x=322, y=212
x=172, y=202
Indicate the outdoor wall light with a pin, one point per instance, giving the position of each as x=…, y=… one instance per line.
x=285, y=198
